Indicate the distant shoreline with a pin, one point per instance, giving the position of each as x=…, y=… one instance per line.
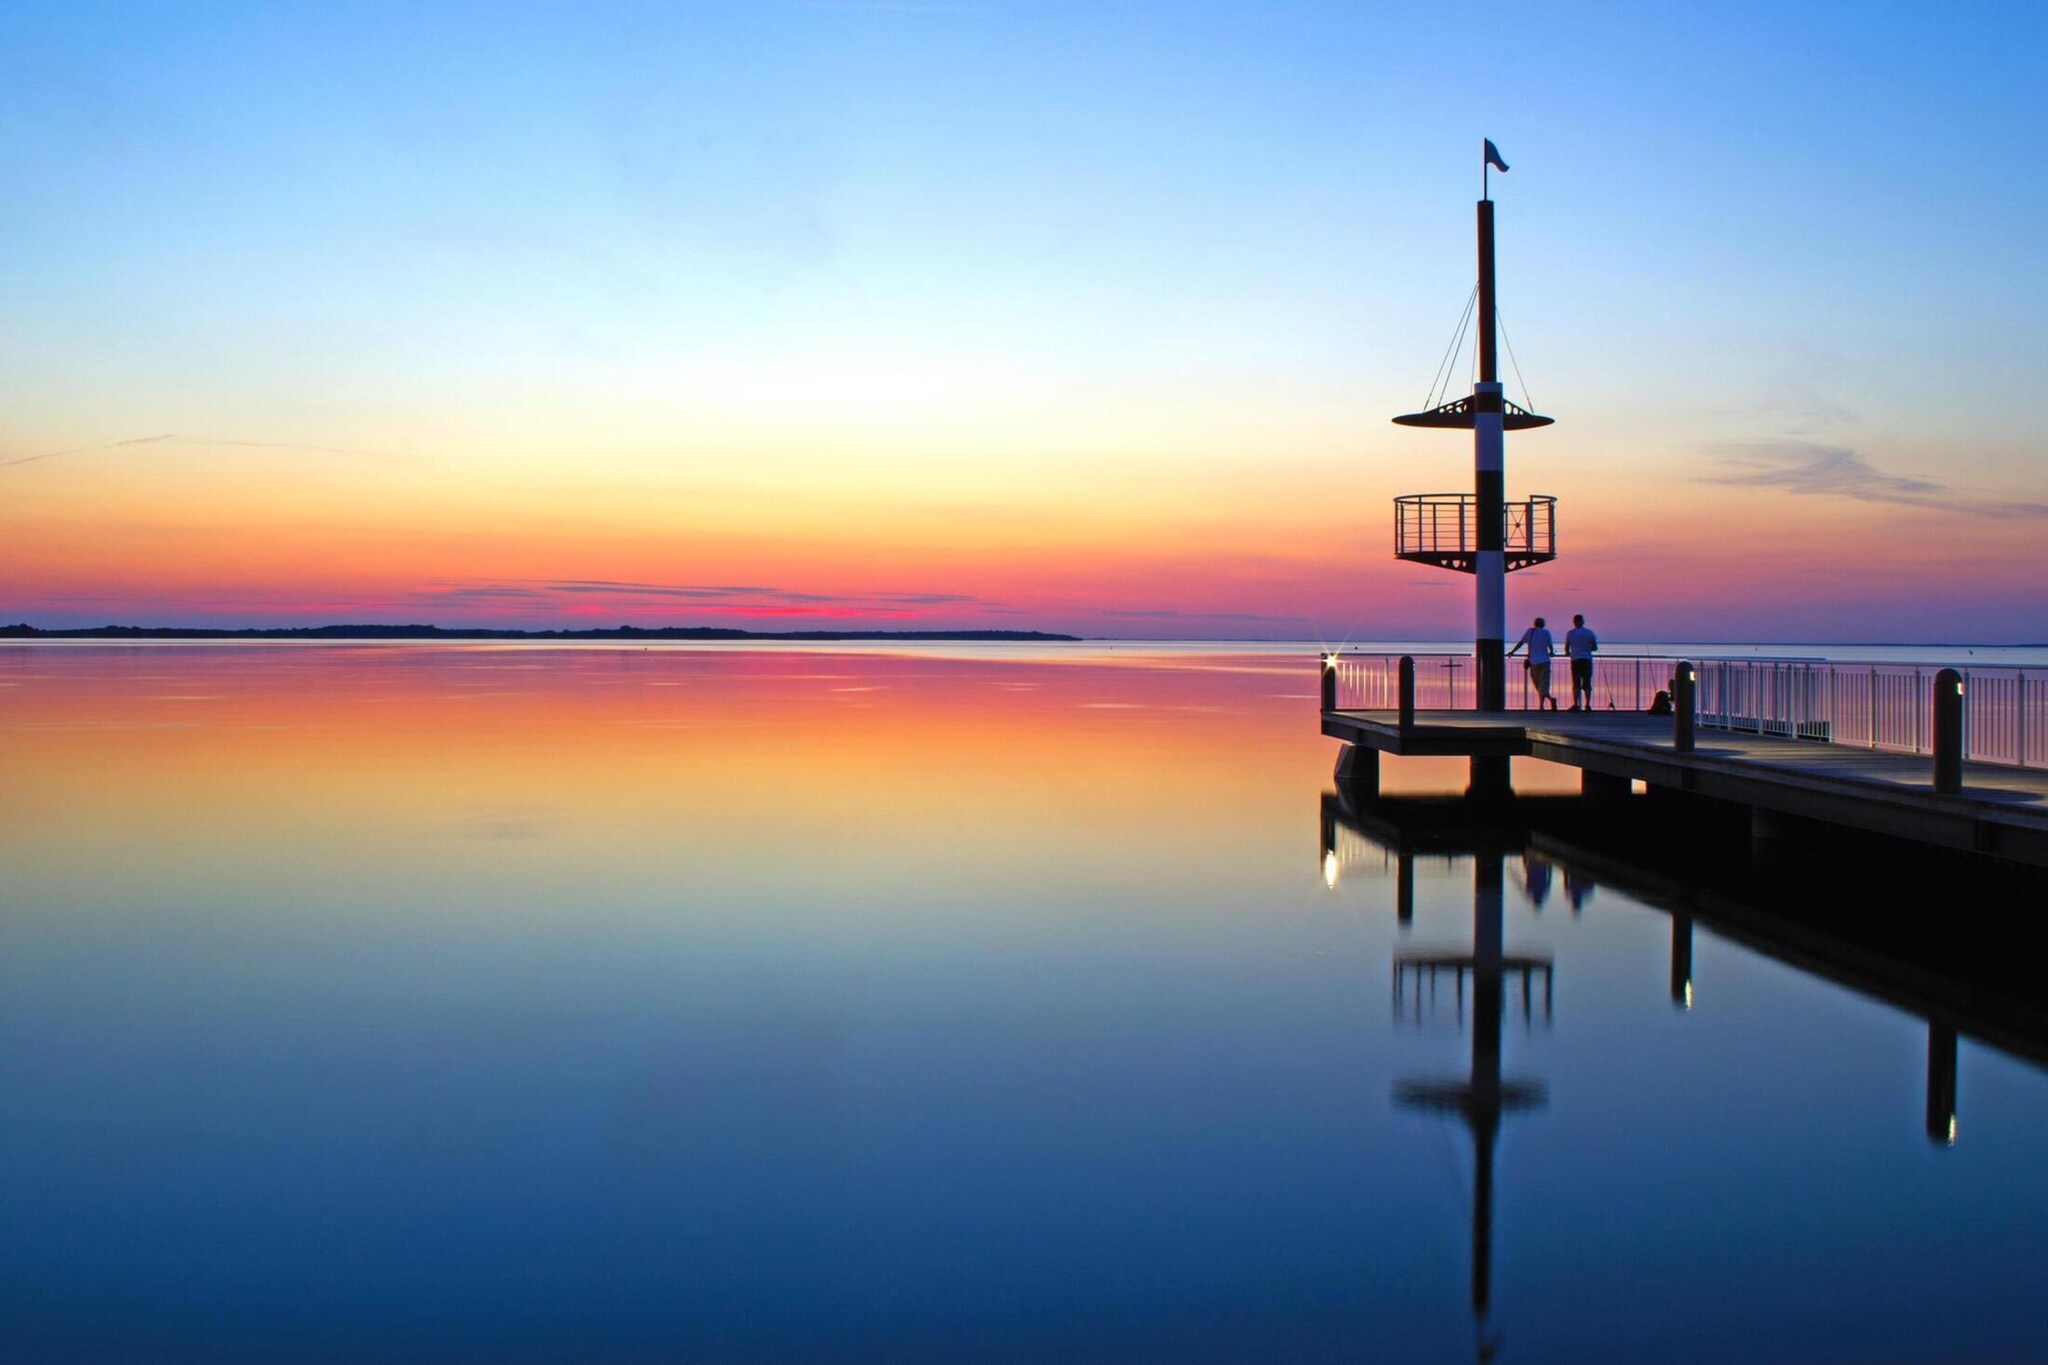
x=24, y=631
x=645, y=634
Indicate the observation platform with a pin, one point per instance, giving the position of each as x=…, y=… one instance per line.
x=2001, y=810
x=1442, y=530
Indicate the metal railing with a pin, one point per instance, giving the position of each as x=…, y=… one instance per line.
x=1879, y=706
x=1445, y=682
x=1873, y=706
x=1447, y=524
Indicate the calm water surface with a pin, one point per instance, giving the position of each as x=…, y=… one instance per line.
x=539, y=1004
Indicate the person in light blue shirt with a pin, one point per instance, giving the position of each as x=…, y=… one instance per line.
x=1536, y=639
x=1581, y=644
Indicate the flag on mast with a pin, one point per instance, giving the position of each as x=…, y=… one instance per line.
x=1493, y=156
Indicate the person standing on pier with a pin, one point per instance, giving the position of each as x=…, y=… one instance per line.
x=1541, y=647
x=1581, y=644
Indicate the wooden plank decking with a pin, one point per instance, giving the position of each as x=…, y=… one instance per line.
x=2001, y=811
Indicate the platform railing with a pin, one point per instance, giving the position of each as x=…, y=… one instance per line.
x=1447, y=524
x=1444, y=682
x=1884, y=706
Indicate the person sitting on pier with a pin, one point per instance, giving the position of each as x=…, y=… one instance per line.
x=1581, y=644
x=1541, y=647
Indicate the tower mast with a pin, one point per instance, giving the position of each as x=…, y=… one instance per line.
x=1489, y=492
x=1480, y=532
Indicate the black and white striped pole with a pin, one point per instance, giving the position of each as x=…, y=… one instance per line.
x=1489, y=444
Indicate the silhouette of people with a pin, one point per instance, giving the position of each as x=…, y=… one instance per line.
x=1581, y=644
x=1536, y=639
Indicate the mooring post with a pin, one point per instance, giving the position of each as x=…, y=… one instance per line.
x=1948, y=732
x=1329, y=683
x=1684, y=700
x=1406, y=691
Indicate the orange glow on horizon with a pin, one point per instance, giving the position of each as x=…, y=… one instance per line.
x=1293, y=548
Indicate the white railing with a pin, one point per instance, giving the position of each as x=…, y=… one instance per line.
x=1445, y=682
x=1879, y=706
x=1871, y=706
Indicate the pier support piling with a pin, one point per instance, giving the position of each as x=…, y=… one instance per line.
x=1489, y=780
x=1773, y=834
x=1358, y=770
x=1603, y=786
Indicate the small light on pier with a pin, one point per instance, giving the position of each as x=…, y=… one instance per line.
x=1330, y=869
x=1329, y=663
x=1688, y=995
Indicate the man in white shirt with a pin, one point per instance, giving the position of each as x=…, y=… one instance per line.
x=1541, y=647
x=1580, y=644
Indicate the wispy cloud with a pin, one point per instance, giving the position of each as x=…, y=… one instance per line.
x=86, y=450
x=1175, y=613
x=508, y=822
x=486, y=593
x=1792, y=410
x=290, y=445
x=601, y=587
x=172, y=438
x=749, y=596
x=615, y=588
x=1807, y=468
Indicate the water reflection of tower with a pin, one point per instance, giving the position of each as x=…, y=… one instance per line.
x=1483, y=1097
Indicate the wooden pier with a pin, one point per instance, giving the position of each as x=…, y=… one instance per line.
x=2000, y=810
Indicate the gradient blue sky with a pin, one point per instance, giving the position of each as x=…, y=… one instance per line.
x=1093, y=311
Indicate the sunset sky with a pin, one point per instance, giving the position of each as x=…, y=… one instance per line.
x=1015, y=313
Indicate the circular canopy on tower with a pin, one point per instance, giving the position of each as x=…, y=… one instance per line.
x=1460, y=414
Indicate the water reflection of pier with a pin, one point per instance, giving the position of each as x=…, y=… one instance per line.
x=1853, y=918
x=1830, y=916
x=1415, y=973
